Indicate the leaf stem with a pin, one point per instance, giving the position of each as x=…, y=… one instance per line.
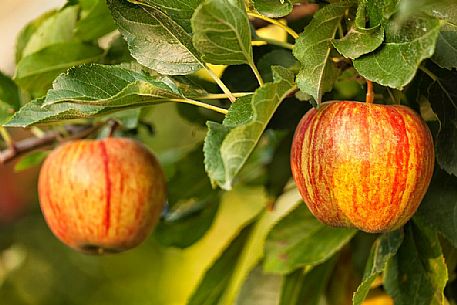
x=275, y=22
x=257, y=73
x=36, y=131
x=370, y=96
x=274, y=42
x=200, y=104
x=392, y=97
x=220, y=84
x=429, y=73
x=6, y=136
x=340, y=31
x=217, y=96
x=437, y=80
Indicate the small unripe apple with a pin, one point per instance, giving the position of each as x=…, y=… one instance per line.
x=101, y=196
x=362, y=165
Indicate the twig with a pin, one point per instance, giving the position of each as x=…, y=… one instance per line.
x=27, y=145
x=200, y=104
x=217, y=96
x=273, y=42
x=257, y=74
x=275, y=22
x=220, y=84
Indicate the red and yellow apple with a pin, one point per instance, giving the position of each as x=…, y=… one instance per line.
x=362, y=165
x=101, y=196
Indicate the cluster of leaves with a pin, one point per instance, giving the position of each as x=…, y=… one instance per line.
x=157, y=52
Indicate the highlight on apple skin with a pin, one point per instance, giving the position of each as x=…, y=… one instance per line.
x=362, y=165
x=101, y=196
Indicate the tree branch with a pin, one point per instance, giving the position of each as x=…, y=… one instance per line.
x=27, y=145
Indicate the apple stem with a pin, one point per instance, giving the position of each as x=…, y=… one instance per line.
x=370, y=94
x=113, y=125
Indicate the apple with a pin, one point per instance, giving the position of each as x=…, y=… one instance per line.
x=101, y=196
x=362, y=165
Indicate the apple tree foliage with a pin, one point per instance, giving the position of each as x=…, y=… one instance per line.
x=235, y=231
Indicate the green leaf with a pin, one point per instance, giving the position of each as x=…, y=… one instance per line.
x=211, y=288
x=443, y=9
x=222, y=33
x=184, y=232
x=301, y=240
x=278, y=169
x=278, y=57
x=110, y=86
x=30, y=160
x=395, y=63
x=180, y=11
x=118, y=52
x=273, y=8
x=260, y=289
x=417, y=275
x=228, y=145
x=155, y=40
x=34, y=113
x=439, y=88
x=439, y=206
x=360, y=40
x=55, y=29
x=9, y=97
x=36, y=72
x=95, y=20
x=302, y=287
x=446, y=47
x=313, y=47
x=193, y=203
x=384, y=248
x=26, y=33
x=91, y=90
x=253, y=250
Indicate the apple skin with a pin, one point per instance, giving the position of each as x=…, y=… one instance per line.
x=101, y=196
x=362, y=165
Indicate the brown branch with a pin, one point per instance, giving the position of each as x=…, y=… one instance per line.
x=27, y=145
x=298, y=12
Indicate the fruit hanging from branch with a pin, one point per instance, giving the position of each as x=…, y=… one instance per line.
x=101, y=196
x=362, y=165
